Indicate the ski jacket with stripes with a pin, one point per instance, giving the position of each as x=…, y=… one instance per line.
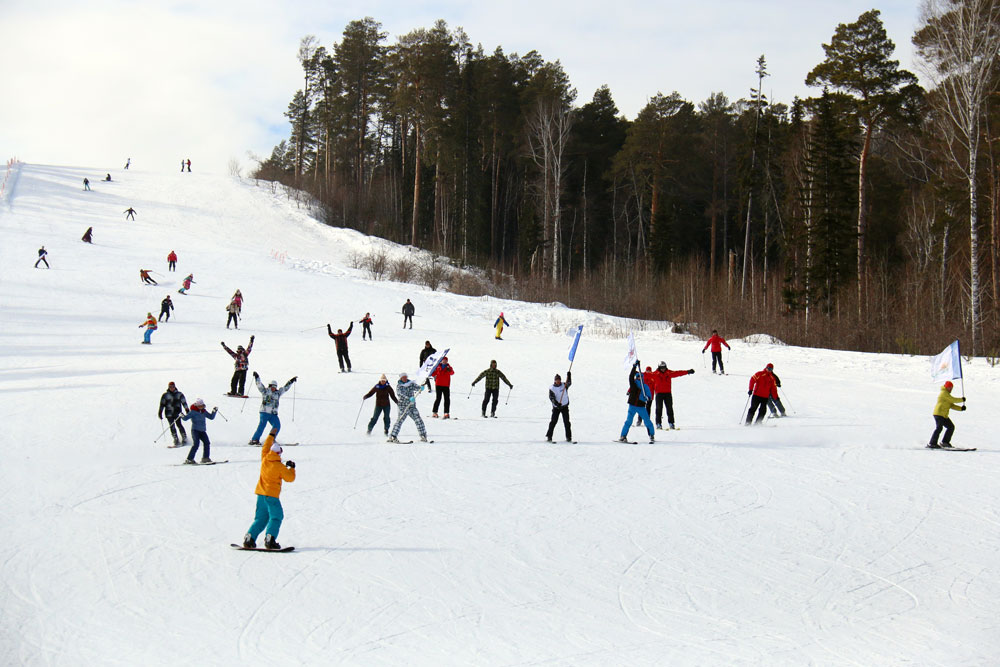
x=242, y=360
x=172, y=403
x=493, y=377
x=762, y=384
x=272, y=471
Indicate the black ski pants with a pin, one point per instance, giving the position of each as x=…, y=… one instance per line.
x=164, y=315
x=407, y=317
x=366, y=330
x=947, y=425
x=238, y=383
x=758, y=404
x=174, y=419
x=775, y=406
x=443, y=392
x=556, y=411
x=717, y=357
x=232, y=320
x=495, y=393
x=668, y=401
x=171, y=266
x=42, y=259
x=343, y=358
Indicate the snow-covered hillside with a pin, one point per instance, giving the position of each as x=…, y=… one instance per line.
x=831, y=537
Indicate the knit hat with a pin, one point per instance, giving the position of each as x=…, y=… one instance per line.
x=200, y=403
x=272, y=383
x=403, y=375
x=276, y=448
x=383, y=378
x=948, y=385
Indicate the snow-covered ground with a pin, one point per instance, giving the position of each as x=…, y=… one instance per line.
x=831, y=537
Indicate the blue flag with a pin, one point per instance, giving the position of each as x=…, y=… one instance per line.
x=575, y=334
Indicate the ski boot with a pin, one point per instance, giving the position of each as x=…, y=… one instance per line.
x=652, y=440
x=434, y=415
x=493, y=414
x=177, y=442
x=254, y=443
x=270, y=543
x=548, y=439
x=368, y=432
x=205, y=459
x=446, y=416
x=248, y=542
x=933, y=445
x=673, y=428
x=393, y=438
x=484, y=414
x=623, y=439
x=946, y=445
x=423, y=438
x=189, y=462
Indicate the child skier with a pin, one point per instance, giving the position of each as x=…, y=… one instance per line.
x=165, y=307
x=945, y=402
x=173, y=405
x=383, y=394
x=762, y=390
x=187, y=284
x=242, y=362
x=442, y=384
x=340, y=338
x=366, y=326
x=638, y=395
x=269, y=398
x=559, y=398
x=269, y=514
x=716, y=342
x=774, y=404
x=238, y=300
x=499, y=325
x=407, y=390
x=150, y=325
x=493, y=377
x=198, y=415
x=661, y=381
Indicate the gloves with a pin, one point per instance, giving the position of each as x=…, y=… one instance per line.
x=295, y=379
x=963, y=408
x=214, y=410
x=749, y=392
x=962, y=399
x=255, y=376
x=251, y=338
x=290, y=464
x=703, y=351
x=690, y=371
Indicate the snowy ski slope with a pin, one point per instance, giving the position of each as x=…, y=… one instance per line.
x=830, y=538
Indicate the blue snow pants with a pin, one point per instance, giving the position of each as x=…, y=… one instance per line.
x=269, y=514
x=265, y=419
x=384, y=411
x=196, y=437
x=640, y=410
x=145, y=336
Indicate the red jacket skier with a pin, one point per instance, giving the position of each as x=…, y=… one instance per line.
x=762, y=388
x=716, y=342
x=442, y=383
x=660, y=383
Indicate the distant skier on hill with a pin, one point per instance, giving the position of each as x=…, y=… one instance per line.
x=173, y=405
x=408, y=311
x=42, y=252
x=242, y=362
x=186, y=284
x=238, y=300
x=165, y=307
x=88, y=236
x=269, y=514
x=660, y=384
x=189, y=166
x=383, y=394
x=128, y=162
x=172, y=261
x=233, y=311
x=150, y=325
x=493, y=377
x=945, y=402
x=130, y=213
x=407, y=390
x=499, y=325
x=442, y=384
x=269, y=398
x=86, y=184
x=199, y=433
x=638, y=395
x=108, y=178
x=761, y=389
x=366, y=326
x=559, y=398
x=716, y=342
x=146, y=278
x=340, y=338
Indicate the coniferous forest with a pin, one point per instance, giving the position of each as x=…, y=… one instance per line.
x=864, y=217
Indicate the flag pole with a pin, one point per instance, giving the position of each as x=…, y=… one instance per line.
x=961, y=375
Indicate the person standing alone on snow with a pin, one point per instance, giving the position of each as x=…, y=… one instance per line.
x=442, y=384
x=269, y=398
x=383, y=394
x=199, y=431
x=172, y=261
x=242, y=362
x=86, y=184
x=366, y=326
x=559, y=398
x=173, y=405
x=716, y=342
x=42, y=252
x=407, y=391
x=88, y=236
x=762, y=390
x=165, y=307
x=130, y=213
x=638, y=396
x=340, y=338
x=269, y=514
x=945, y=402
x=493, y=377
x=408, y=311
x=150, y=325
x=500, y=324
x=661, y=381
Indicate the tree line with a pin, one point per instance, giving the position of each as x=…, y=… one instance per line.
x=864, y=217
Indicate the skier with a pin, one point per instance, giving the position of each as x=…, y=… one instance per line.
x=424, y=353
x=407, y=391
x=128, y=162
x=442, y=383
x=189, y=166
x=408, y=311
x=559, y=398
x=198, y=415
x=269, y=398
x=42, y=252
x=716, y=342
x=233, y=311
x=107, y=178
x=129, y=213
x=146, y=278
x=165, y=307
x=383, y=394
x=761, y=389
x=661, y=381
x=340, y=338
x=366, y=326
x=638, y=394
x=150, y=325
x=945, y=402
x=86, y=184
x=269, y=515
x=774, y=404
x=500, y=324
x=186, y=284
x=238, y=300
x=182, y=166
x=173, y=405
x=172, y=261
x=88, y=236
x=242, y=362
x=647, y=377
x=493, y=377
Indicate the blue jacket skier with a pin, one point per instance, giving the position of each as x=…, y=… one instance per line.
x=199, y=432
x=638, y=396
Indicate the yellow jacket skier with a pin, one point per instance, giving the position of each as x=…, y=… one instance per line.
x=945, y=402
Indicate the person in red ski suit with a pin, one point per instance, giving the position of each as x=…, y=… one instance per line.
x=716, y=342
x=172, y=261
x=762, y=389
x=660, y=382
x=442, y=383
x=366, y=326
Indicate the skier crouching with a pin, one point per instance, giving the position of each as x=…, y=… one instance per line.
x=945, y=402
x=407, y=390
x=269, y=514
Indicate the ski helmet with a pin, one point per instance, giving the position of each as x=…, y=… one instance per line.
x=662, y=366
x=272, y=383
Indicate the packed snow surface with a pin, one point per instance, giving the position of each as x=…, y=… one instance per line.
x=831, y=537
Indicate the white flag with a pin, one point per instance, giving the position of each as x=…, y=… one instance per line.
x=631, y=356
x=948, y=364
x=430, y=365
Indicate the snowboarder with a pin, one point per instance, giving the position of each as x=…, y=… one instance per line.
x=233, y=311
x=661, y=381
x=500, y=324
x=128, y=162
x=774, y=404
x=130, y=213
x=88, y=236
x=165, y=307
x=86, y=184
x=42, y=252
x=424, y=353
x=761, y=389
x=242, y=362
x=172, y=261
x=198, y=414
x=150, y=325
x=238, y=300
x=340, y=338
x=945, y=402
x=408, y=311
x=269, y=398
x=407, y=391
x=173, y=406
x=269, y=515
x=638, y=395
x=493, y=377
x=559, y=398
x=186, y=284
x=366, y=326
x=716, y=342
x=383, y=394
x=146, y=278
x=442, y=383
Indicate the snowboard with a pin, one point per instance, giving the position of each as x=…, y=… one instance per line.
x=952, y=449
x=282, y=550
x=203, y=464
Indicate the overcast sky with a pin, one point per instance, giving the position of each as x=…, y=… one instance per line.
x=92, y=83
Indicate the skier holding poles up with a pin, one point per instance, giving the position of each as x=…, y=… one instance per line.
x=761, y=390
x=638, y=395
x=383, y=394
x=174, y=405
x=270, y=396
x=716, y=342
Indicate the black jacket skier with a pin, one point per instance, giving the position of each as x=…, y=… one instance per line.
x=173, y=405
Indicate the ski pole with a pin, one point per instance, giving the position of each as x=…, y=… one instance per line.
x=744, y=409
x=313, y=328
x=784, y=395
x=244, y=404
x=359, y=414
x=220, y=414
x=470, y=392
x=703, y=359
x=169, y=424
x=508, y=394
x=293, y=401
